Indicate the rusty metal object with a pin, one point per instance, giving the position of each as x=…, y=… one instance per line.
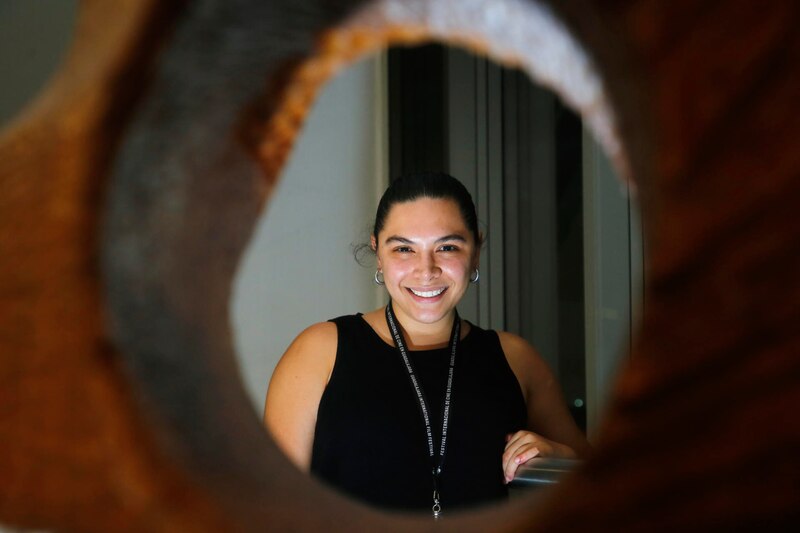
x=130, y=189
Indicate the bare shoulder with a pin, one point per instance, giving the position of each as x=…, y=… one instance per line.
x=528, y=366
x=317, y=335
x=518, y=349
x=313, y=349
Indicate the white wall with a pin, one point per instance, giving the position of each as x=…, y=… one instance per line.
x=299, y=268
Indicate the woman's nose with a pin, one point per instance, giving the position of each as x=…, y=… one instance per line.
x=427, y=266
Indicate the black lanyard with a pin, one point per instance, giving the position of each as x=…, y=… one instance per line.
x=436, y=462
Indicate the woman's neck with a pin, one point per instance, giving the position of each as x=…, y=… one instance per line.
x=420, y=336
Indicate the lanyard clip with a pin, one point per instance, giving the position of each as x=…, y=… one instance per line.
x=437, y=507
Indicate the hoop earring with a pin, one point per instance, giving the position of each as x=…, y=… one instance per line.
x=379, y=280
x=476, y=278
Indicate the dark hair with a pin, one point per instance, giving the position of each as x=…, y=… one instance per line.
x=428, y=185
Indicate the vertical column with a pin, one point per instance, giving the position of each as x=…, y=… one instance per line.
x=608, y=260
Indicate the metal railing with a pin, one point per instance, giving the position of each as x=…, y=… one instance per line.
x=541, y=472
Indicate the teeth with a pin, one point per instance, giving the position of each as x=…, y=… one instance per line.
x=428, y=294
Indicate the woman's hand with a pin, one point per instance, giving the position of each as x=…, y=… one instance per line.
x=525, y=445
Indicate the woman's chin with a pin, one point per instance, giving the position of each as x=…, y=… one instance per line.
x=427, y=313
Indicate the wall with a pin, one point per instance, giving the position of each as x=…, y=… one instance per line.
x=299, y=268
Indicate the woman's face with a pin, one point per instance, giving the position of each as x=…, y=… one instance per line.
x=426, y=254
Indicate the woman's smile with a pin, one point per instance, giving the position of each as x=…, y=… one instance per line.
x=429, y=295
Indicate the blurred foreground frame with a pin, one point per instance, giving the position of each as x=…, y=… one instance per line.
x=129, y=189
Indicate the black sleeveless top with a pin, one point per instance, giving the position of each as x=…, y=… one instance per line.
x=370, y=439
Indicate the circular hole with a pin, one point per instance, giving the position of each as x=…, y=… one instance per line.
x=562, y=252
x=159, y=224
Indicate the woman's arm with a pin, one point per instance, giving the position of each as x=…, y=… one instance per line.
x=551, y=431
x=297, y=384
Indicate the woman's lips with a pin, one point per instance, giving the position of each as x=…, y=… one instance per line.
x=429, y=295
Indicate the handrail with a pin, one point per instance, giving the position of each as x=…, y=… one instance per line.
x=542, y=471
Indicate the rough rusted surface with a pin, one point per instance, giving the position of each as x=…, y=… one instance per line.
x=123, y=213
x=74, y=452
x=703, y=430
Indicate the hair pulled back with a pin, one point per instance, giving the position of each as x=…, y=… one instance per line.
x=435, y=185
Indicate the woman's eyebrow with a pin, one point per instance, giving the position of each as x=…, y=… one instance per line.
x=452, y=237
x=404, y=240
x=397, y=238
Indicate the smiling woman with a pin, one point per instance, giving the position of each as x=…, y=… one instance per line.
x=339, y=402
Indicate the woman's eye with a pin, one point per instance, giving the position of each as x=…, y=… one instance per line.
x=403, y=249
x=448, y=248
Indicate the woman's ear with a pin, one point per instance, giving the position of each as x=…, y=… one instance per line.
x=476, y=256
x=373, y=243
